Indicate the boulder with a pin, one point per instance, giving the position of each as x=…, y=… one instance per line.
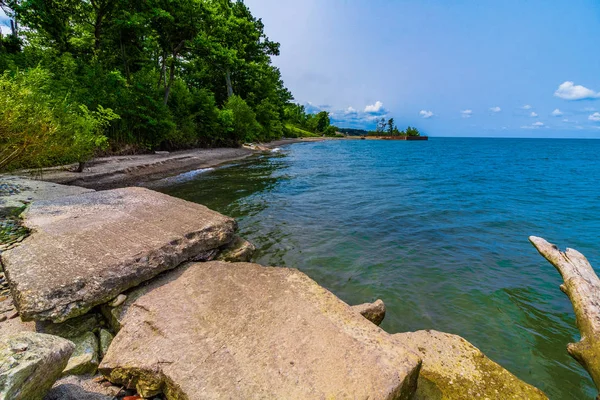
x=374, y=312
x=85, y=358
x=87, y=249
x=30, y=363
x=238, y=250
x=69, y=391
x=454, y=369
x=106, y=339
x=240, y=330
x=83, y=388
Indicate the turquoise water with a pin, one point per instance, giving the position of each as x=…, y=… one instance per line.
x=436, y=229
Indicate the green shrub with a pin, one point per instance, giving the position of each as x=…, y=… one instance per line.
x=243, y=126
x=40, y=127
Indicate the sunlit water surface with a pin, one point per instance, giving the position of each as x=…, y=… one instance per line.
x=436, y=229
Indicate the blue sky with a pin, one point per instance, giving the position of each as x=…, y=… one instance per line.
x=460, y=68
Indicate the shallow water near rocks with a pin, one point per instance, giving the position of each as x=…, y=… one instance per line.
x=436, y=229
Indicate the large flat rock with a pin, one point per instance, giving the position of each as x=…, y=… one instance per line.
x=220, y=330
x=15, y=192
x=88, y=248
x=454, y=369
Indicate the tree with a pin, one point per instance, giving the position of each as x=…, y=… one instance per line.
x=322, y=121
x=390, y=126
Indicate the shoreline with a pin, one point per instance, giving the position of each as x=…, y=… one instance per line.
x=135, y=170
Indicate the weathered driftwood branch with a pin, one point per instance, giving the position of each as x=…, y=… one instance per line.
x=582, y=286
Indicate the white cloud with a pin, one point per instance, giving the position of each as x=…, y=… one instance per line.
x=565, y=120
x=535, y=125
x=557, y=113
x=426, y=114
x=526, y=107
x=466, y=113
x=569, y=91
x=374, y=108
x=533, y=114
x=350, y=110
x=495, y=109
x=588, y=109
x=595, y=117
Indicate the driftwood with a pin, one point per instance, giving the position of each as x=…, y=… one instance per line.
x=582, y=286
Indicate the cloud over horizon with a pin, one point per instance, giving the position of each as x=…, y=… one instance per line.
x=569, y=91
x=376, y=108
x=495, y=109
x=426, y=114
x=595, y=117
x=466, y=113
x=557, y=113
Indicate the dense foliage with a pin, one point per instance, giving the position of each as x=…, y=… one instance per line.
x=83, y=75
x=316, y=123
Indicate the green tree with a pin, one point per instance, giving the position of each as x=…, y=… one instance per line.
x=322, y=122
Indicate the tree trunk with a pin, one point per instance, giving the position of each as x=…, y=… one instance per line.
x=171, y=77
x=98, y=30
x=163, y=71
x=176, y=51
x=13, y=28
x=582, y=286
x=228, y=82
x=124, y=57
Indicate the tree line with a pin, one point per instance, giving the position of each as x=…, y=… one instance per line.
x=389, y=128
x=318, y=123
x=83, y=76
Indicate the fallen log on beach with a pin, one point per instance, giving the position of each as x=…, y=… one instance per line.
x=582, y=286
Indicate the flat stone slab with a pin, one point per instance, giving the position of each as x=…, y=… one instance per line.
x=87, y=249
x=454, y=369
x=219, y=330
x=15, y=192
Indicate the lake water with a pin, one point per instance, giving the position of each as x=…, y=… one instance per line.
x=436, y=229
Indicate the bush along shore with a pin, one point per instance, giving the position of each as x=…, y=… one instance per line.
x=129, y=292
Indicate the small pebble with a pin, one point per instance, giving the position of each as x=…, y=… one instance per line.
x=120, y=299
x=13, y=315
x=3, y=318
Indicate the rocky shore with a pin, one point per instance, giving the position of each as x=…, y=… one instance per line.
x=129, y=293
x=140, y=169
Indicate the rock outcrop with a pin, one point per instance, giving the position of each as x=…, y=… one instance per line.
x=15, y=192
x=454, y=369
x=239, y=330
x=87, y=249
x=239, y=250
x=374, y=312
x=30, y=363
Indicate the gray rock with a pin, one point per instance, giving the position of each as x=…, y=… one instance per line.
x=84, y=359
x=454, y=369
x=73, y=392
x=30, y=363
x=106, y=339
x=374, y=312
x=238, y=250
x=239, y=330
x=28, y=190
x=87, y=249
x=85, y=387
